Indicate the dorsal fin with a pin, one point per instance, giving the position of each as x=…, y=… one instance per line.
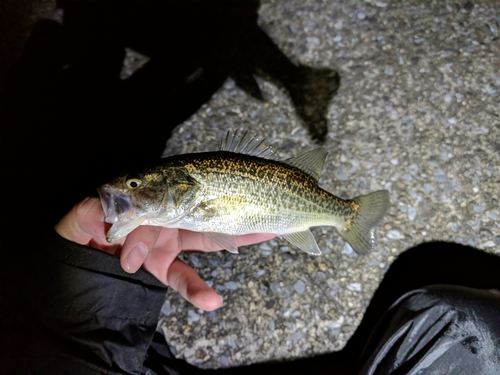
x=310, y=162
x=247, y=145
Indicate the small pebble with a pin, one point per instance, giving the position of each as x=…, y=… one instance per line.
x=394, y=234
x=192, y=317
x=492, y=215
x=165, y=309
x=413, y=168
x=348, y=250
x=354, y=287
x=265, y=246
x=196, y=262
x=488, y=244
x=299, y=287
x=223, y=360
x=271, y=325
x=231, y=285
x=412, y=213
x=439, y=175
x=478, y=208
x=259, y=273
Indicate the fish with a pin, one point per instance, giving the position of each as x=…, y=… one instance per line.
x=242, y=188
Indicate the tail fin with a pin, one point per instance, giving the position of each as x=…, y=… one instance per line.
x=358, y=229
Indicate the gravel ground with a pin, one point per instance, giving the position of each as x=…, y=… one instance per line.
x=417, y=113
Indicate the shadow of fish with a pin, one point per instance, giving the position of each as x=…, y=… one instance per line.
x=237, y=190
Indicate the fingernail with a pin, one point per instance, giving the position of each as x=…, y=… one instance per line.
x=136, y=257
x=221, y=301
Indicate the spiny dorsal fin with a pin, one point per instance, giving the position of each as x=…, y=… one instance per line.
x=310, y=162
x=247, y=145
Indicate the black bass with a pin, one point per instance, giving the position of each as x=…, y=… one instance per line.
x=237, y=190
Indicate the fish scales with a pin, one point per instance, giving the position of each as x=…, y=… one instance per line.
x=227, y=193
x=274, y=187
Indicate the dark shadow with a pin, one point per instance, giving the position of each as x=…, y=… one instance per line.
x=426, y=264
x=71, y=123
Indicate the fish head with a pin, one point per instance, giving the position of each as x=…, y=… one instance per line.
x=131, y=200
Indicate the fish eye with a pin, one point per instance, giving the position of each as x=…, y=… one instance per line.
x=133, y=181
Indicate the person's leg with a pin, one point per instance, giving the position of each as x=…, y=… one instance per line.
x=439, y=329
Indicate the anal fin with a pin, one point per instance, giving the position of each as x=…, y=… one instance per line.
x=304, y=241
x=224, y=240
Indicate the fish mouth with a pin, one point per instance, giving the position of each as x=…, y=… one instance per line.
x=116, y=205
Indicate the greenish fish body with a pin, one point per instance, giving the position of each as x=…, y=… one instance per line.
x=229, y=192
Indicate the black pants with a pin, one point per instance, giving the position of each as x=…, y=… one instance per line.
x=439, y=329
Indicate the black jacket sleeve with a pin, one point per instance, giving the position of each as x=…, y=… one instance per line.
x=90, y=316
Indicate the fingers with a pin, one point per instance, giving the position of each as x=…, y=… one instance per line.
x=188, y=283
x=198, y=241
x=83, y=222
x=155, y=248
x=136, y=247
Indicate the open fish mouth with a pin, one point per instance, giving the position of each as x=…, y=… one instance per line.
x=116, y=205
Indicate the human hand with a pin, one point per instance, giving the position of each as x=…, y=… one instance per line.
x=154, y=248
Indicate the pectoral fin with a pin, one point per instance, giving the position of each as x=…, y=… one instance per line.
x=304, y=241
x=224, y=240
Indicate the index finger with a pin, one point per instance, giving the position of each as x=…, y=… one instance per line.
x=199, y=241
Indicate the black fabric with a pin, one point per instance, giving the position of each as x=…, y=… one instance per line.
x=440, y=329
x=99, y=261
x=90, y=317
x=162, y=361
x=88, y=321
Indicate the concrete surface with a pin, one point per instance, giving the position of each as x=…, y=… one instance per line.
x=417, y=113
